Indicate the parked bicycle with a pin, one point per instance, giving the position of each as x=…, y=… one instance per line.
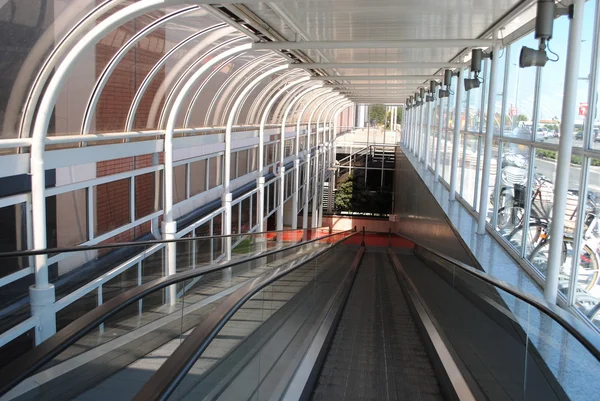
x=511, y=212
x=537, y=234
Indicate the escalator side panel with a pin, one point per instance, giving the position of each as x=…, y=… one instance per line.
x=486, y=343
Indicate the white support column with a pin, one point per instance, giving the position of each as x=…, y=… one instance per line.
x=281, y=197
x=563, y=162
x=407, y=128
x=416, y=131
x=438, y=144
x=307, y=178
x=456, y=139
x=421, y=130
x=428, y=133
x=267, y=110
x=226, y=196
x=320, y=156
x=489, y=138
x=405, y=123
x=42, y=294
x=297, y=149
x=410, y=128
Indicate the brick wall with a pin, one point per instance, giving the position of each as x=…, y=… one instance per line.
x=112, y=199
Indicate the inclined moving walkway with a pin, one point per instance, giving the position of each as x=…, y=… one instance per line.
x=321, y=319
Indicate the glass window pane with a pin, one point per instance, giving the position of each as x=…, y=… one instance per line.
x=197, y=177
x=233, y=165
x=111, y=206
x=242, y=163
x=179, y=183
x=587, y=296
x=520, y=92
x=216, y=171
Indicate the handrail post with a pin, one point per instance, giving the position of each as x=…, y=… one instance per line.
x=489, y=142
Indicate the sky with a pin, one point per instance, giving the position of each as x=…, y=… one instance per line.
x=553, y=74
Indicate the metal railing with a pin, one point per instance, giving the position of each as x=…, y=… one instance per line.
x=36, y=358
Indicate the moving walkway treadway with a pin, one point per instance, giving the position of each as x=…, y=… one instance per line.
x=324, y=319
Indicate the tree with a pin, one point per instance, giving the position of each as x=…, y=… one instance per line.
x=522, y=117
x=399, y=115
x=351, y=194
x=377, y=113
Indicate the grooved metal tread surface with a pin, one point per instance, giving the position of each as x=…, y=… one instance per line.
x=376, y=352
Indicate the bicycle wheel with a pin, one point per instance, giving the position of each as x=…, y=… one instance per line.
x=510, y=217
x=536, y=234
x=587, y=272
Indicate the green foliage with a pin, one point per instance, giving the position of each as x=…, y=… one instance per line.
x=549, y=154
x=577, y=160
x=399, y=115
x=353, y=195
x=521, y=117
x=377, y=113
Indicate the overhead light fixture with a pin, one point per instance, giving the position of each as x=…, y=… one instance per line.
x=476, y=56
x=448, y=74
x=472, y=83
x=544, y=22
x=533, y=58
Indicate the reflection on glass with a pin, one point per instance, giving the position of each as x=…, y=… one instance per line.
x=587, y=295
x=470, y=168
x=514, y=167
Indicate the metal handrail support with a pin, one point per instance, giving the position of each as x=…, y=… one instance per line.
x=582, y=333
x=166, y=379
x=30, y=362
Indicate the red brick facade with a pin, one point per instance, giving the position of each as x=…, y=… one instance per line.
x=112, y=199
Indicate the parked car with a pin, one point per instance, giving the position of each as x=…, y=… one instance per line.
x=579, y=135
x=540, y=135
x=596, y=135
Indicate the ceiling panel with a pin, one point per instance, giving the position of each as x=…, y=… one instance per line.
x=324, y=20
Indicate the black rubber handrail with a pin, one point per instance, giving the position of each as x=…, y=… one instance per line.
x=83, y=248
x=166, y=379
x=31, y=361
x=578, y=329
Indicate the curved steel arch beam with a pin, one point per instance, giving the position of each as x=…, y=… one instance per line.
x=170, y=225
x=222, y=108
x=114, y=61
x=188, y=113
x=303, y=110
x=43, y=291
x=171, y=121
x=330, y=97
x=253, y=113
x=284, y=77
x=320, y=154
x=195, y=97
x=261, y=100
x=15, y=100
x=261, y=136
x=325, y=111
x=275, y=118
x=181, y=78
x=139, y=94
x=233, y=80
x=297, y=149
x=299, y=106
x=256, y=109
